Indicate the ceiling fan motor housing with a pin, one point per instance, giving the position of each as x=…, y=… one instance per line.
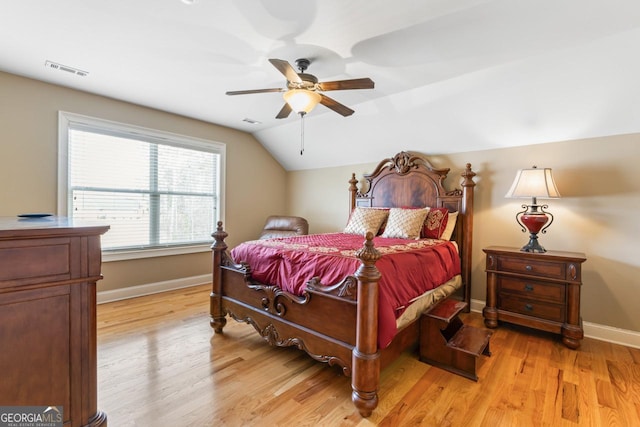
x=309, y=82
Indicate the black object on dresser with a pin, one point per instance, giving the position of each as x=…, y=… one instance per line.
x=537, y=290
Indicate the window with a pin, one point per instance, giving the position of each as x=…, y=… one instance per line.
x=159, y=192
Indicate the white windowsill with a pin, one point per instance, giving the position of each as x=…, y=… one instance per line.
x=108, y=256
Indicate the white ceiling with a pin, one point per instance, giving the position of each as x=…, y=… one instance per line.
x=450, y=75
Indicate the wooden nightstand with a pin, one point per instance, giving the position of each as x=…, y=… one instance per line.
x=537, y=290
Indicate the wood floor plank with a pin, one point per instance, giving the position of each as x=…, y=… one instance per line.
x=160, y=364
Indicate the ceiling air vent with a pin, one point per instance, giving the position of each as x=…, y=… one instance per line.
x=71, y=70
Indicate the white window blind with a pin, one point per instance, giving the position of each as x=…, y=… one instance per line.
x=155, y=190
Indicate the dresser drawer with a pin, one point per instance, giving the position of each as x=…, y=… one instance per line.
x=34, y=261
x=547, y=269
x=532, y=289
x=532, y=308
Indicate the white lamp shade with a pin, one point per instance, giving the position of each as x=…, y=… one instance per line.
x=302, y=100
x=534, y=182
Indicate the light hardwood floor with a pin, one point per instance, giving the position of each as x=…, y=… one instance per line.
x=160, y=365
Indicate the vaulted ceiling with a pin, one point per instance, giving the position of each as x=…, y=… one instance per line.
x=450, y=75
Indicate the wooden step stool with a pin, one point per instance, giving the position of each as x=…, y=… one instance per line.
x=449, y=344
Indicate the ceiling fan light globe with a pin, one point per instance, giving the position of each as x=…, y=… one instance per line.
x=302, y=101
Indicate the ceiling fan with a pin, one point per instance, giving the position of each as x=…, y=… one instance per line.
x=302, y=93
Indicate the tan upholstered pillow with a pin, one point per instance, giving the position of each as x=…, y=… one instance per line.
x=405, y=223
x=363, y=220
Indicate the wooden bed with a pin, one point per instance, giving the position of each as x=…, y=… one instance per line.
x=337, y=324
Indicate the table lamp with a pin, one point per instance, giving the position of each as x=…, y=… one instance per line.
x=534, y=183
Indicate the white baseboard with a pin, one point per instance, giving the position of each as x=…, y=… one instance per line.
x=151, y=288
x=611, y=334
x=592, y=330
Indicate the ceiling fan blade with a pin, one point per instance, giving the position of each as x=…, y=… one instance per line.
x=335, y=106
x=284, y=113
x=246, y=92
x=364, y=83
x=285, y=68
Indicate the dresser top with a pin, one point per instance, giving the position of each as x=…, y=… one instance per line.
x=575, y=256
x=15, y=227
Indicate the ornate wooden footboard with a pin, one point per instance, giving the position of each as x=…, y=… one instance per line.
x=338, y=324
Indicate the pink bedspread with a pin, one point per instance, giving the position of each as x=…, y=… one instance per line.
x=409, y=268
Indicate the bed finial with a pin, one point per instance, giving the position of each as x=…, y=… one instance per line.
x=368, y=254
x=468, y=175
x=353, y=191
x=219, y=235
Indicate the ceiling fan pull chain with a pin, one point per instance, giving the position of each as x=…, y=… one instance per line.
x=302, y=133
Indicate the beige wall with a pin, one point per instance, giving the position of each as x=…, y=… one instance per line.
x=596, y=178
x=596, y=215
x=28, y=168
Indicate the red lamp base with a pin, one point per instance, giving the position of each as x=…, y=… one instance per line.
x=534, y=221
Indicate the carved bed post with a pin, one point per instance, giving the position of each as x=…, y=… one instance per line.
x=353, y=191
x=218, y=319
x=467, y=225
x=365, y=375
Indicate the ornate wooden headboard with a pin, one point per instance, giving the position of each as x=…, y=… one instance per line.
x=409, y=180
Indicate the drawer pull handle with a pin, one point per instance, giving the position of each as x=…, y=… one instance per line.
x=528, y=287
x=528, y=268
x=528, y=307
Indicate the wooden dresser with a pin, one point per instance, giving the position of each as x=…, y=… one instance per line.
x=48, y=273
x=538, y=290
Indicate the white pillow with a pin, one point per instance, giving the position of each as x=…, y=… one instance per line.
x=451, y=225
x=405, y=223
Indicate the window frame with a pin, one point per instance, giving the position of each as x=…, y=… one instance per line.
x=65, y=119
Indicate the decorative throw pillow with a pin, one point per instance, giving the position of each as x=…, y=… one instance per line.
x=435, y=223
x=451, y=225
x=384, y=223
x=405, y=223
x=363, y=220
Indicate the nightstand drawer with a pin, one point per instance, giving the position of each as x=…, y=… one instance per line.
x=532, y=289
x=553, y=270
x=537, y=309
